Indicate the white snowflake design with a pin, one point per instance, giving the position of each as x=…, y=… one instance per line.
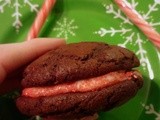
x=130, y=36
x=17, y=5
x=151, y=110
x=65, y=28
x=37, y=117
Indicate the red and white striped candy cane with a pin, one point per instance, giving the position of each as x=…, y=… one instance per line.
x=137, y=19
x=40, y=19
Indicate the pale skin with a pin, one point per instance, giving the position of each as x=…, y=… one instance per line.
x=15, y=56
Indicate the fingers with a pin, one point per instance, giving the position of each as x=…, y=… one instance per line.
x=16, y=55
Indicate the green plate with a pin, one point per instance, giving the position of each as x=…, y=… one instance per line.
x=91, y=20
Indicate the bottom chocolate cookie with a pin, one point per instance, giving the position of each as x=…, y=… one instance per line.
x=73, y=105
x=62, y=117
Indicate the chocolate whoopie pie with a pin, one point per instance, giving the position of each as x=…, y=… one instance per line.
x=78, y=80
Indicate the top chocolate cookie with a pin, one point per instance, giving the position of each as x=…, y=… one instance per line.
x=77, y=61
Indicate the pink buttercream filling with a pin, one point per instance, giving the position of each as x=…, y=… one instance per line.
x=84, y=85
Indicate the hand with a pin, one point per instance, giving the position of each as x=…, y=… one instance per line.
x=14, y=57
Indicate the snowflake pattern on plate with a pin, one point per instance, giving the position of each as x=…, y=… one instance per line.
x=134, y=38
x=16, y=5
x=65, y=28
x=130, y=36
x=151, y=110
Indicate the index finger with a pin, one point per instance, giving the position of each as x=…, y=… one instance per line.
x=16, y=55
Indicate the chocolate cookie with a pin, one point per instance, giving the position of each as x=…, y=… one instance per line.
x=78, y=80
x=77, y=61
x=80, y=104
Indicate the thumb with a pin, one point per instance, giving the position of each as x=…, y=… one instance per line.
x=14, y=56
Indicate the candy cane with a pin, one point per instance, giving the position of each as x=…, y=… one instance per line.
x=137, y=19
x=40, y=19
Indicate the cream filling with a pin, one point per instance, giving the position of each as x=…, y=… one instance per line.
x=84, y=85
